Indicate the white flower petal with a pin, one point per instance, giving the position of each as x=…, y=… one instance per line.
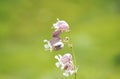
x=50, y=46
x=62, y=45
x=55, y=26
x=60, y=56
x=46, y=46
x=72, y=71
x=56, y=57
x=62, y=67
x=68, y=54
x=57, y=64
x=45, y=40
x=66, y=74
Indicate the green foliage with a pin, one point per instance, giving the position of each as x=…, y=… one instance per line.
x=24, y=24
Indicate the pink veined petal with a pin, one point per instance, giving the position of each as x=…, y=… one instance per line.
x=66, y=58
x=61, y=25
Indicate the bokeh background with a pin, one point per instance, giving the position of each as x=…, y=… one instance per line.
x=24, y=24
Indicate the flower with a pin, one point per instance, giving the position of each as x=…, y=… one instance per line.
x=61, y=25
x=66, y=64
x=48, y=46
x=54, y=44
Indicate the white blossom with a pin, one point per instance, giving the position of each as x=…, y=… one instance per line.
x=61, y=25
x=53, y=44
x=66, y=64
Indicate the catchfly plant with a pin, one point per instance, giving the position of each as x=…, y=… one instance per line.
x=66, y=62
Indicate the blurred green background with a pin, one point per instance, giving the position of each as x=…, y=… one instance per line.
x=24, y=24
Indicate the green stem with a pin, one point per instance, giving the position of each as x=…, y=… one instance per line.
x=72, y=50
x=73, y=53
x=74, y=59
x=75, y=76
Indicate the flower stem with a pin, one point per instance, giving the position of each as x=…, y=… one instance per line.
x=74, y=60
x=75, y=76
x=72, y=49
x=73, y=53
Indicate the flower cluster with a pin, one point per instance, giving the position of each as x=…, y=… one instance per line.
x=56, y=43
x=66, y=64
